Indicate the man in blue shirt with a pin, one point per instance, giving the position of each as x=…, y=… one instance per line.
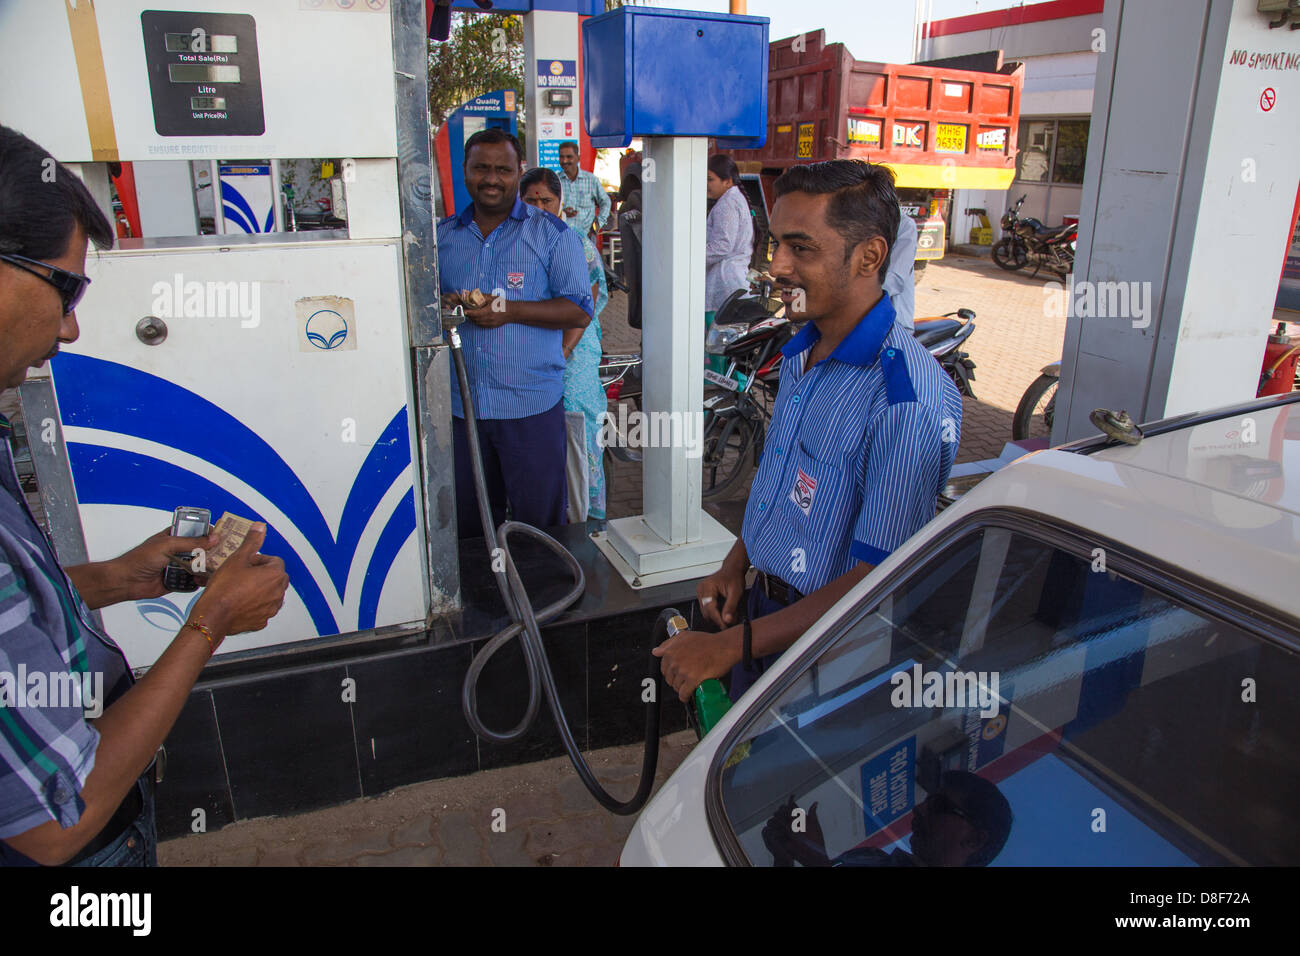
x=864, y=431
x=532, y=269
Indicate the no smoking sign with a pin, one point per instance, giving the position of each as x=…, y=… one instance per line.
x=1267, y=99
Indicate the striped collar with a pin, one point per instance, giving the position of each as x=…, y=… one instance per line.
x=861, y=346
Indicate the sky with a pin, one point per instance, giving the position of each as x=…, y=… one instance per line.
x=877, y=30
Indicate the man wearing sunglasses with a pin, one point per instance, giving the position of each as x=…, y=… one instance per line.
x=77, y=776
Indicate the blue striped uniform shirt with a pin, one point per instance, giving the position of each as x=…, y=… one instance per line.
x=859, y=448
x=47, y=748
x=514, y=370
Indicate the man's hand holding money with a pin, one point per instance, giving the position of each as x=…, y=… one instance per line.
x=244, y=592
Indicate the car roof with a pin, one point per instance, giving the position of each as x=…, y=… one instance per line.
x=1215, y=496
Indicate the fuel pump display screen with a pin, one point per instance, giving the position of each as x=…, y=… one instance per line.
x=204, y=76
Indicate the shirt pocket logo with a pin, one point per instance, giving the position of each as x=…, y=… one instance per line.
x=805, y=488
x=514, y=280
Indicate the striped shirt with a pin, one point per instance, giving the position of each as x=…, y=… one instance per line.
x=859, y=448
x=47, y=638
x=588, y=196
x=515, y=370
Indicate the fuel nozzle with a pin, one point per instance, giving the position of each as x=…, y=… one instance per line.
x=450, y=319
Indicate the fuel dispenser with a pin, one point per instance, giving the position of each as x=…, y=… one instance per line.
x=286, y=377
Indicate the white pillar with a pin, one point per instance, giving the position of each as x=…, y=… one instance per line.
x=673, y=377
x=550, y=37
x=674, y=540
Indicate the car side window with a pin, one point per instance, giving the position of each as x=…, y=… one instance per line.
x=1014, y=703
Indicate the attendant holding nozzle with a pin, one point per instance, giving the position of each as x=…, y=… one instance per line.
x=864, y=433
x=77, y=776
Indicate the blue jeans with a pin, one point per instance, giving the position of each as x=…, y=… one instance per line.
x=138, y=844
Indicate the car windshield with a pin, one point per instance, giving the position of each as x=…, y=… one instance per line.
x=1015, y=703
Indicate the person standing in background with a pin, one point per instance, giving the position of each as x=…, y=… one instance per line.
x=586, y=204
x=629, y=232
x=729, y=238
x=532, y=271
x=900, y=282
x=584, y=398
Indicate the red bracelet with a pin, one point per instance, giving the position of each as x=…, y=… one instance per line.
x=205, y=631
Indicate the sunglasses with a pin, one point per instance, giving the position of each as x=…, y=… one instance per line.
x=71, y=285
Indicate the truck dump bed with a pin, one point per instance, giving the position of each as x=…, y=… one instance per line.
x=938, y=128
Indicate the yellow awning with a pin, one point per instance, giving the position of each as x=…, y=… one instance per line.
x=917, y=176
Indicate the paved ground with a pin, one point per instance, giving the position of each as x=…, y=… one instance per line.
x=535, y=815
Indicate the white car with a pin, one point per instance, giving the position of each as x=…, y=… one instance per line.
x=1090, y=659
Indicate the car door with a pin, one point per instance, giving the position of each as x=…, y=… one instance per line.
x=1017, y=695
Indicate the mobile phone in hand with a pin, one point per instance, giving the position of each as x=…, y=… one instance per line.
x=186, y=523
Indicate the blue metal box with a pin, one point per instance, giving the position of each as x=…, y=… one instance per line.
x=652, y=72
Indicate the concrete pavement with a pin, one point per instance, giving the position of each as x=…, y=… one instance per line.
x=538, y=814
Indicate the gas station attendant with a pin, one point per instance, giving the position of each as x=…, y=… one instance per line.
x=533, y=271
x=864, y=433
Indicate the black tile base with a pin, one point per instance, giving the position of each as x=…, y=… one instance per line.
x=195, y=775
x=273, y=735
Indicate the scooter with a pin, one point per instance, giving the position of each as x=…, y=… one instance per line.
x=1027, y=240
x=943, y=337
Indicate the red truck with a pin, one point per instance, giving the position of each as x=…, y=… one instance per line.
x=938, y=128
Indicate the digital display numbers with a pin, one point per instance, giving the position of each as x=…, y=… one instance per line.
x=204, y=76
x=202, y=73
x=200, y=42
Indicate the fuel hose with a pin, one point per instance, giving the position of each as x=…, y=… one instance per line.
x=526, y=622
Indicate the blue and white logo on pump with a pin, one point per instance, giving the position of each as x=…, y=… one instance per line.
x=326, y=329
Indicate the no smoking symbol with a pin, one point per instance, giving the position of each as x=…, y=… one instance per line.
x=1267, y=99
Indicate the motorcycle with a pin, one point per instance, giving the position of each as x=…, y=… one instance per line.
x=1028, y=240
x=739, y=408
x=1037, y=408
x=942, y=337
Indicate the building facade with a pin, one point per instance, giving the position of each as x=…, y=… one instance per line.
x=1059, y=42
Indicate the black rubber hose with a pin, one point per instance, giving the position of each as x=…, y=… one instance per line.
x=527, y=627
